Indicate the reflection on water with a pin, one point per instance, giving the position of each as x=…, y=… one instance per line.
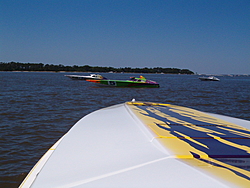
x=38, y=108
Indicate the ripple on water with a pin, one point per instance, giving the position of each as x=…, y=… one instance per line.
x=38, y=108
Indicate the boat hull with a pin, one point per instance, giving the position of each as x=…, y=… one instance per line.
x=128, y=83
x=209, y=79
x=143, y=144
x=91, y=77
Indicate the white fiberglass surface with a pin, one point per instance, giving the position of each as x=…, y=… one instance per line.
x=240, y=122
x=112, y=148
x=102, y=142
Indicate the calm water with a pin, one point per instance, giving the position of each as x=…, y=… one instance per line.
x=36, y=109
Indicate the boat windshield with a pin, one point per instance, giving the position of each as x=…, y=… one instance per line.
x=137, y=79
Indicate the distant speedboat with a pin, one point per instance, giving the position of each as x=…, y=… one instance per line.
x=209, y=78
x=90, y=77
x=132, y=82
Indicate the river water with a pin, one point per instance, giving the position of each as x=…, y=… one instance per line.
x=36, y=109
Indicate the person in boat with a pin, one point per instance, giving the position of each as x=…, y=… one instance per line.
x=140, y=79
x=101, y=77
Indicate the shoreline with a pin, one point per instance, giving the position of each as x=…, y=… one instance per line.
x=230, y=75
x=99, y=72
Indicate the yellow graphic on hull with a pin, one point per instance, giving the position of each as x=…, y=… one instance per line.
x=203, y=141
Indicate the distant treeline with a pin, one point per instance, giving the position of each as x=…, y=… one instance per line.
x=16, y=66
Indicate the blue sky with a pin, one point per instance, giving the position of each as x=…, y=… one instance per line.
x=205, y=36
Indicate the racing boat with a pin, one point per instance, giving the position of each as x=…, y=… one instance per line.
x=145, y=144
x=90, y=77
x=209, y=78
x=132, y=82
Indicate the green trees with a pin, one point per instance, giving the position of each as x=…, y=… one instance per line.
x=16, y=66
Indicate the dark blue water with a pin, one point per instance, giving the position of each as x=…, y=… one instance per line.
x=36, y=109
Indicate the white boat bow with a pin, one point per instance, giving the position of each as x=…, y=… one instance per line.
x=138, y=144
